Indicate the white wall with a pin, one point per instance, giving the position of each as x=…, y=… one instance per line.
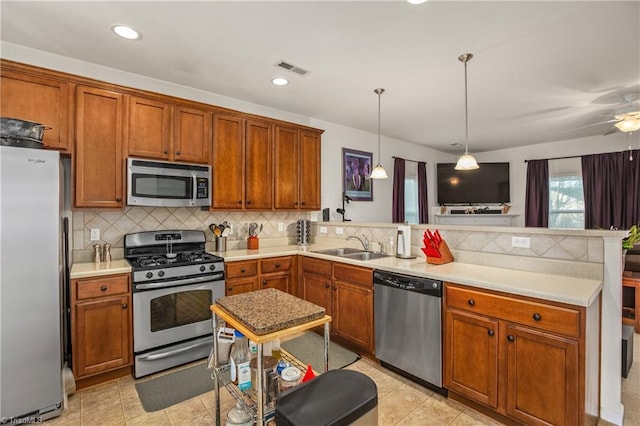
x=337, y=137
x=518, y=168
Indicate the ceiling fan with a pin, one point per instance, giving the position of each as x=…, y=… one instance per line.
x=626, y=119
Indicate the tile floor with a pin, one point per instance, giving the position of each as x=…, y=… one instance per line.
x=400, y=402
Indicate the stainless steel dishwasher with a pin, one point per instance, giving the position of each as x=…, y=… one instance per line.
x=408, y=326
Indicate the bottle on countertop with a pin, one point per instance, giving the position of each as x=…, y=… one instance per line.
x=253, y=349
x=240, y=359
x=97, y=253
x=275, y=349
x=106, y=253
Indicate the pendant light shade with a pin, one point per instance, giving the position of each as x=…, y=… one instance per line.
x=629, y=124
x=378, y=171
x=466, y=162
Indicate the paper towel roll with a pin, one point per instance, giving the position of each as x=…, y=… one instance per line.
x=406, y=231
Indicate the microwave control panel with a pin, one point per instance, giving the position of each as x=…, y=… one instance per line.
x=202, y=188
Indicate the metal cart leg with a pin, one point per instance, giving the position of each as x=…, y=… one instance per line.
x=214, y=375
x=326, y=347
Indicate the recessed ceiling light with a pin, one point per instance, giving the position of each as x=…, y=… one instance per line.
x=279, y=81
x=126, y=32
x=416, y=1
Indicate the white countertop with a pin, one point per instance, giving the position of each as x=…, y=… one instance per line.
x=557, y=288
x=89, y=269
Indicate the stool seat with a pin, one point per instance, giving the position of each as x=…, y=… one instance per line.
x=337, y=397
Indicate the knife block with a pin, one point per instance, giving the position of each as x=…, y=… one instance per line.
x=253, y=243
x=446, y=256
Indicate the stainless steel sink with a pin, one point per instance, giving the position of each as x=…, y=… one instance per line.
x=339, y=251
x=351, y=253
x=365, y=255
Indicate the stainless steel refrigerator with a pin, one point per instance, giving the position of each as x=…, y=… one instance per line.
x=31, y=284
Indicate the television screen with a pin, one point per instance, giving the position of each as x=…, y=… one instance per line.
x=488, y=184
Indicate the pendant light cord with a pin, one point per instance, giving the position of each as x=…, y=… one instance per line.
x=379, y=91
x=466, y=111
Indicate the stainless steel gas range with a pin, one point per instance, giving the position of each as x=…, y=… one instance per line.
x=174, y=283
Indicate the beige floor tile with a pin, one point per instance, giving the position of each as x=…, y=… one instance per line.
x=190, y=408
x=441, y=409
x=132, y=407
x=198, y=420
x=112, y=416
x=102, y=401
x=157, y=418
x=466, y=420
x=395, y=406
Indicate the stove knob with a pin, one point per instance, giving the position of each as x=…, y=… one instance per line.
x=212, y=267
x=161, y=274
x=202, y=268
x=149, y=274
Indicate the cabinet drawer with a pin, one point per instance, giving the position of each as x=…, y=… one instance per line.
x=241, y=269
x=353, y=274
x=539, y=315
x=102, y=287
x=275, y=264
x=317, y=266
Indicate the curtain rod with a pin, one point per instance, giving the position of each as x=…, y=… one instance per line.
x=576, y=156
x=413, y=161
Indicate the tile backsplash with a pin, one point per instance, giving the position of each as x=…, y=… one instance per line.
x=114, y=225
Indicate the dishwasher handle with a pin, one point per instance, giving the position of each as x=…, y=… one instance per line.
x=414, y=284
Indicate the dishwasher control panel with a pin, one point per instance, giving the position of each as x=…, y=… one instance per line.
x=408, y=282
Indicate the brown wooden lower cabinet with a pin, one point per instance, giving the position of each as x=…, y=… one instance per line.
x=101, y=324
x=530, y=374
x=248, y=275
x=346, y=293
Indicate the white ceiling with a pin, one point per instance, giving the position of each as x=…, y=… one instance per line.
x=541, y=69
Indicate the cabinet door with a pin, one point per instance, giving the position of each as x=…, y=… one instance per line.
x=278, y=280
x=286, y=160
x=310, y=170
x=98, y=152
x=149, y=128
x=241, y=285
x=102, y=335
x=542, y=377
x=227, y=163
x=353, y=313
x=258, y=166
x=471, y=356
x=317, y=289
x=193, y=135
x=41, y=100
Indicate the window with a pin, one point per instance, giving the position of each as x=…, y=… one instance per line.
x=566, y=202
x=411, y=199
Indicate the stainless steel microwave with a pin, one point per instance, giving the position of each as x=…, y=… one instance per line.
x=167, y=184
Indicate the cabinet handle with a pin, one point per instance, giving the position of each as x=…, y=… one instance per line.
x=277, y=265
x=510, y=338
x=471, y=302
x=264, y=282
x=242, y=270
x=303, y=203
x=103, y=288
x=327, y=285
x=240, y=202
x=295, y=203
x=166, y=151
x=177, y=152
x=229, y=288
x=118, y=199
x=124, y=306
x=537, y=316
x=248, y=201
x=335, y=288
x=491, y=332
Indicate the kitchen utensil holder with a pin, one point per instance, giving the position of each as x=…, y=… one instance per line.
x=253, y=243
x=220, y=243
x=445, y=255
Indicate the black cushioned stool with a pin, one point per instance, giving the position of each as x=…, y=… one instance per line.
x=337, y=397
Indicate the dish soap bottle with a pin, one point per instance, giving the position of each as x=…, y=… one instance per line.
x=240, y=359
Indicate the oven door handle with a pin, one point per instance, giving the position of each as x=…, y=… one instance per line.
x=194, y=280
x=168, y=354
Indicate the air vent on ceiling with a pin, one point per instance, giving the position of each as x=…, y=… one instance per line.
x=289, y=67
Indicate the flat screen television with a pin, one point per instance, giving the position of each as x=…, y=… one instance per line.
x=488, y=184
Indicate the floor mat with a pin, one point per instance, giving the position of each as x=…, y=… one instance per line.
x=309, y=349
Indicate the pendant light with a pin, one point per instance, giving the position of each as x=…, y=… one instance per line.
x=379, y=172
x=466, y=162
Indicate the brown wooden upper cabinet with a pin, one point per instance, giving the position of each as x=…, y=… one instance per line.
x=297, y=169
x=39, y=99
x=98, y=151
x=241, y=164
x=160, y=130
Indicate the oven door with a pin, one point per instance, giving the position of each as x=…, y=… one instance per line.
x=165, y=316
